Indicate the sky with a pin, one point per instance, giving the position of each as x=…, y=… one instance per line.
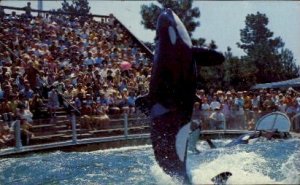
x=220, y=21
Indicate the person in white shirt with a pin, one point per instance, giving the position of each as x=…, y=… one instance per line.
x=89, y=60
x=215, y=103
x=205, y=112
x=217, y=119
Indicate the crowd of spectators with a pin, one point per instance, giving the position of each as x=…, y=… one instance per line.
x=57, y=61
x=91, y=63
x=241, y=109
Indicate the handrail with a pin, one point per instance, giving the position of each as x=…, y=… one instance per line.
x=68, y=102
x=51, y=12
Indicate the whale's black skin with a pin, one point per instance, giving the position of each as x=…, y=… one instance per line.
x=172, y=90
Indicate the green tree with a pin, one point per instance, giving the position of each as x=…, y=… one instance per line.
x=267, y=54
x=211, y=77
x=78, y=8
x=183, y=9
x=150, y=45
x=199, y=42
x=238, y=74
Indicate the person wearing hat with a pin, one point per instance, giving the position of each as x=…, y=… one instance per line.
x=217, y=119
x=238, y=112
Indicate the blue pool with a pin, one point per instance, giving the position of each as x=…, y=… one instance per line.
x=268, y=163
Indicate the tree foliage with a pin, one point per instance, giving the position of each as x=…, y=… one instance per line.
x=239, y=74
x=210, y=77
x=267, y=54
x=183, y=9
x=79, y=8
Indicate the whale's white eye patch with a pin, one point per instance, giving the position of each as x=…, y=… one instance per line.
x=172, y=35
x=182, y=32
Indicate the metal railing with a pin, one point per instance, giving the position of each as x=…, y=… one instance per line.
x=123, y=126
x=125, y=123
x=106, y=17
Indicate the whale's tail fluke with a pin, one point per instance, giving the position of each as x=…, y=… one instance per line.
x=221, y=179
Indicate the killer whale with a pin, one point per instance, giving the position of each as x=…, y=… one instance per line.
x=172, y=92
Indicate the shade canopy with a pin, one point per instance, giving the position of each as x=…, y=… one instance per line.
x=282, y=84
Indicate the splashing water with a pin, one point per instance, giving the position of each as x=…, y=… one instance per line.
x=269, y=163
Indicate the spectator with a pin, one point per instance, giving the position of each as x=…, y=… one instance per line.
x=239, y=111
x=36, y=105
x=28, y=10
x=205, y=112
x=27, y=92
x=214, y=103
x=25, y=117
x=217, y=119
x=53, y=102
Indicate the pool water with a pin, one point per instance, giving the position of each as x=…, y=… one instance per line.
x=267, y=163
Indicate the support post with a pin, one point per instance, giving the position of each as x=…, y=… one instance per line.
x=125, y=125
x=18, y=135
x=74, y=134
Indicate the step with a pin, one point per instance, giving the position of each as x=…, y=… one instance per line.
x=79, y=136
x=61, y=117
x=120, y=131
x=59, y=127
x=78, y=131
x=46, y=139
x=107, y=132
x=62, y=122
x=43, y=133
x=48, y=136
x=42, y=128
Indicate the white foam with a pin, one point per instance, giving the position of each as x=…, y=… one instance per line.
x=247, y=168
x=122, y=149
x=292, y=170
x=161, y=177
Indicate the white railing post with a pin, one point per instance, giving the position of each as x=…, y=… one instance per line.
x=125, y=125
x=74, y=134
x=18, y=134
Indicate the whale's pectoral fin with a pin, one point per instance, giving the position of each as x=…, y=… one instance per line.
x=182, y=141
x=187, y=137
x=222, y=178
x=143, y=103
x=207, y=57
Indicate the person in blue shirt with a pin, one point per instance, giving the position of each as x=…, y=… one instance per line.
x=27, y=92
x=131, y=101
x=89, y=60
x=1, y=94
